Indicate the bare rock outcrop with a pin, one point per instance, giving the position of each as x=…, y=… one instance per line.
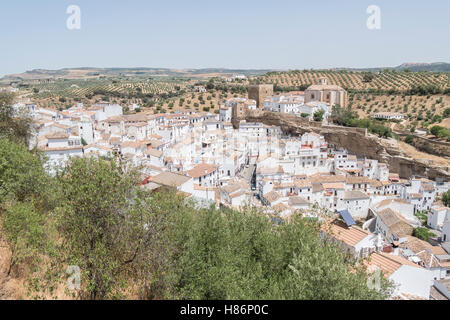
x=357, y=141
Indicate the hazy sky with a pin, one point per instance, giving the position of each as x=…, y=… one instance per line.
x=293, y=34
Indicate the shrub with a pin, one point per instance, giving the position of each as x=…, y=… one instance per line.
x=409, y=139
x=423, y=233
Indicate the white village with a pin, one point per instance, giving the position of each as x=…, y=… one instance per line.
x=219, y=159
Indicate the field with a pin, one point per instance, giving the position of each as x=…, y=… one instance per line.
x=161, y=95
x=378, y=92
x=64, y=93
x=349, y=80
x=81, y=88
x=420, y=111
x=370, y=93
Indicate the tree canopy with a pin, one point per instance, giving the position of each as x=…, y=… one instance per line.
x=132, y=243
x=15, y=126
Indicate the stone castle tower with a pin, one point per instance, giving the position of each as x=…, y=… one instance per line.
x=259, y=92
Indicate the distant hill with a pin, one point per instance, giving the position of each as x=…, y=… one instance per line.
x=411, y=66
x=92, y=73
x=433, y=67
x=356, y=79
x=86, y=73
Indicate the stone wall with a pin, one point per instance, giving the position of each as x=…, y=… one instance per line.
x=259, y=93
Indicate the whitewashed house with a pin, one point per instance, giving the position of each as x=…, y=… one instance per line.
x=437, y=216
x=204, y=175
x=58, y=150
x=409, y=278
x=392, y=226
x=356, y=202
x=401, y=206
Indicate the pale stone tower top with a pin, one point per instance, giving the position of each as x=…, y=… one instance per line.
x=322, y=81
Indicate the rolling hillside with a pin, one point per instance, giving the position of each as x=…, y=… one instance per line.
x=359, y=81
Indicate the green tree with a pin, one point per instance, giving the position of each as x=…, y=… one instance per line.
x=24, y=229
x=422, y=233
x=342, y=116
x=26, y=196
x=368, y=77
x=318, y=116
x=231, y=255
x=102, y=224
x=446, y=113
x=14, y=125
x=409, y=139
x=446, y=198
x=21, y=173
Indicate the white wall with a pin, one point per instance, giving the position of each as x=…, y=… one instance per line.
x=413, y=280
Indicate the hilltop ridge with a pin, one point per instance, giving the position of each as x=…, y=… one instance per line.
x=94, y=72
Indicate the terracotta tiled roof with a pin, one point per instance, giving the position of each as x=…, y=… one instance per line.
x=303, y=183
x=317, y=187
x=298, y=201
x=62, y=148
x=333, y=185
x=357, y=180
x=389, y=201
x=57, y=135
x=389, y=263
x=154, y=152
x=355, y=195
x=170, y=179
x=201, y=170
x=321, y=178
x=395, y=222
x=130, y=144
x=349, y=235
x=280, y=207
x=272, y=196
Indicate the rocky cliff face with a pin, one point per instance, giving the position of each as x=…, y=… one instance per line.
x=438, y=148
x=356, y=141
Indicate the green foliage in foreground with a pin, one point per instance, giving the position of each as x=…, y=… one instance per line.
x=24, y=229
x=14, y=125
x=129, y=242
x=21, y=172
x=246, y=256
